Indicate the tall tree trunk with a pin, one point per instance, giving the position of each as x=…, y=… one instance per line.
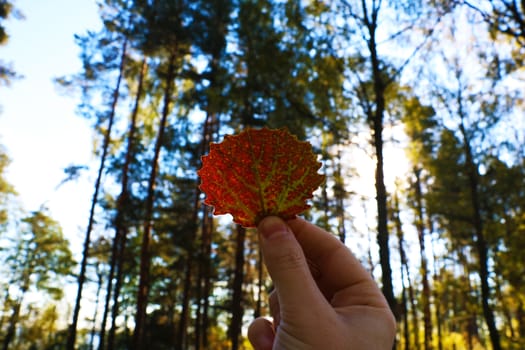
x=438, y=316
x=375, y=118
x=199, y=293
x=404, y=298
x=210, y=127
x=435, y=295
x=100, y=281
x=204, y=268
x=324, y=222
x=481, y=244
x=205, y=324
x=203, y=280
x=181, y=341
x=505, y=310
x=71, y=339
x=121, y=222
x=109, y=288
x=404, y=265
x=404, y=308
x=466, y=306
x=237, y=295
x=427, y=320
x=382, y=213
x=260, y=269
x=339, y=194
x=145, y=254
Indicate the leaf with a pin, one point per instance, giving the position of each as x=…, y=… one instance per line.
x=258, y=173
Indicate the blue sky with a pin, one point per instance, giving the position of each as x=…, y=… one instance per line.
x=38, y=126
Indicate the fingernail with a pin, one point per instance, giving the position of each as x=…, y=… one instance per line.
x=272, y=226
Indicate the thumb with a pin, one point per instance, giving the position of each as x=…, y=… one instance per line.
x=284, y=258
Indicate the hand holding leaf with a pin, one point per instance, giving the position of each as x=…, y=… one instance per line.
x=257, y=173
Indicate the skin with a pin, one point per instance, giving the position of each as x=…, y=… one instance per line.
x=323, y=298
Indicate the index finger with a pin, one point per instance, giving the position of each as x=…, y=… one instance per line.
x=337, y=269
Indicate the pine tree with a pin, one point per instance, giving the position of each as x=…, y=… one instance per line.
x=420, y=127
x=172, y=46
x=104, y=153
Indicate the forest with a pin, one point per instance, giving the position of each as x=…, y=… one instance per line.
x=414, y=108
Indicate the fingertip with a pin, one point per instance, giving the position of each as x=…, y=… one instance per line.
x=261, y=334
x=273, y=226
x=281, y=252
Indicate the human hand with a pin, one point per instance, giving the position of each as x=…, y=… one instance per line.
x=323, y=297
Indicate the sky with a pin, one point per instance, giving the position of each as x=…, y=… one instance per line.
x=38, y=126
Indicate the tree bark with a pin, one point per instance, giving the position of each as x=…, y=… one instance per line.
x=71, y=339
x=427, y=320
x=203, y=281
x=436, y=280
x=339, y=194
x=138, y=342
x=237, y=295
x=481, y=244
x=209, y=128
x=404, y=298
x=375, y=118
x=100, y=282
x=260, y=268
x=121, y=224
x=404, y=265
x=205, y=323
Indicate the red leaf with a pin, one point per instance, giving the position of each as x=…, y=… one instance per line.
x=257, y=173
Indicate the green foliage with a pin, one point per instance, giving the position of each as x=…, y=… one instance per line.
x=40, y=255
x=37, y=260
